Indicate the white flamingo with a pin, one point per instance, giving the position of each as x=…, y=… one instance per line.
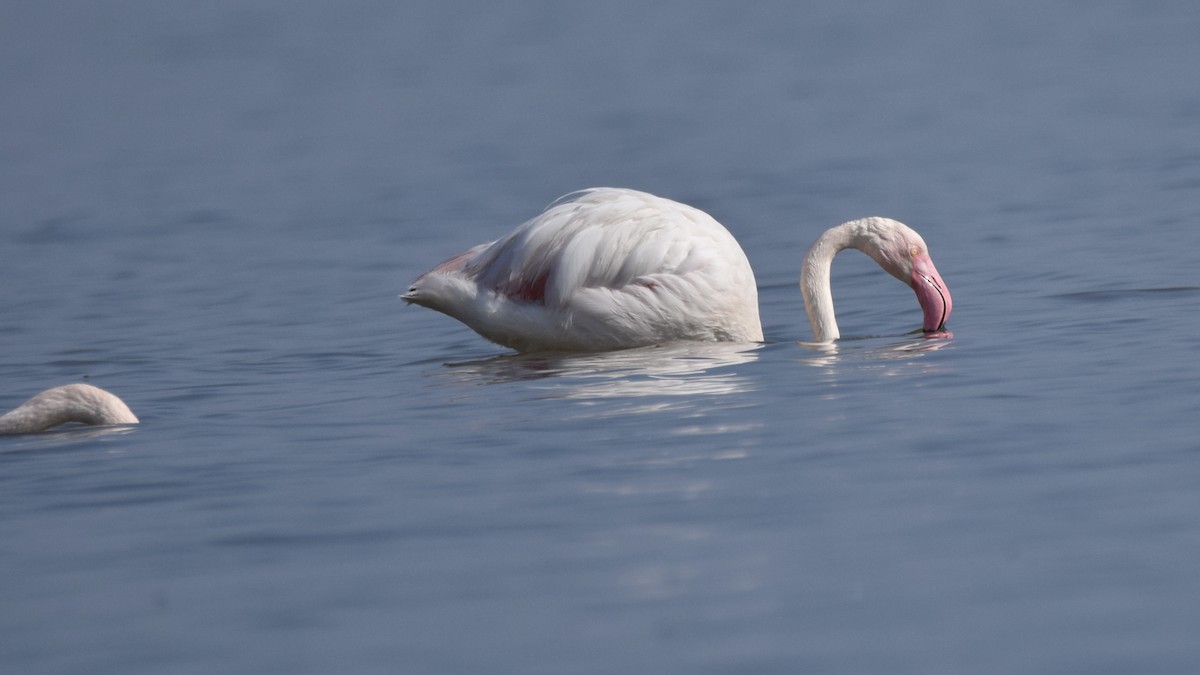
x=611, y=268
x=68, y=403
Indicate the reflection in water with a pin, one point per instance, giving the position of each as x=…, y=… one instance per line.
x=675, y=370
x=655, y=379
x=836, y=359
x=62, y=436
x=866, y=349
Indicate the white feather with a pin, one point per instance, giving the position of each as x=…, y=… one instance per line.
x=69, y=403
x=611, y=268
x=600, y=269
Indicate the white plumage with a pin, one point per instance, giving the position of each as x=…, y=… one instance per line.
x=69, y=403
x=601, y=269
x=611, y=268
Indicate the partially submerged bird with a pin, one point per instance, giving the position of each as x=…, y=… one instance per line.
x=611, y=268
x=897, y=248
x=69, y=403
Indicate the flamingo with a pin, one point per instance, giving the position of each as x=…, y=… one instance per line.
x=68, y=403
x=612, y=268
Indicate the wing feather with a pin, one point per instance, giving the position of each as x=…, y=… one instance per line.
x=599, y=238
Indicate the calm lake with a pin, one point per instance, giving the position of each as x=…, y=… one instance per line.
x=210, y=209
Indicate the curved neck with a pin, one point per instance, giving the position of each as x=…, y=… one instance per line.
x=866, y=235
x=26, y=421
x=814, y=281
x=69, y=403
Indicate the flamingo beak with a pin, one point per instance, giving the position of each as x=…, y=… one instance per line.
x=931, y=293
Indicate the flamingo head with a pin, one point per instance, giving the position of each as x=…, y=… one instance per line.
x=903, y=253
x=931, y=292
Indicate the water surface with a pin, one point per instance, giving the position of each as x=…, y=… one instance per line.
x=210, y=210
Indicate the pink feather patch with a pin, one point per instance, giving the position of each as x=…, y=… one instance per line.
x=526, y=290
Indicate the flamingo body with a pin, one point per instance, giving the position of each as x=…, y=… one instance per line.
x=69, y=403
x=601, y=269
x=611, y=268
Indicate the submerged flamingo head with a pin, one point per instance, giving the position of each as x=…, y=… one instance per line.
x=931, y=292
x=903, y=253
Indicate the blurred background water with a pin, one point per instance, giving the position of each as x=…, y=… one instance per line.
x=209, y=209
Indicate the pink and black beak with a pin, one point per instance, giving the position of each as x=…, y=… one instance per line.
x=932, y=293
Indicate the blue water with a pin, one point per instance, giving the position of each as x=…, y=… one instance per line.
x=210, y=208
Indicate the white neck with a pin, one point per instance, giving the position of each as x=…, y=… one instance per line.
x=865, y=235
x=814, y=283
x=69, y=403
